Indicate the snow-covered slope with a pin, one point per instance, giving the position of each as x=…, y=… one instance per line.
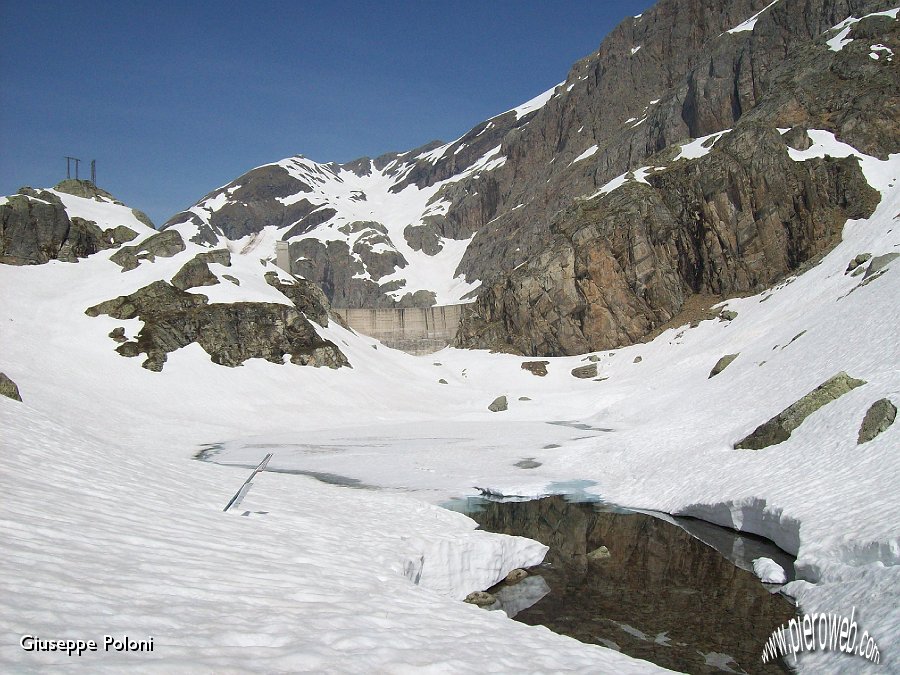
x=110, y=527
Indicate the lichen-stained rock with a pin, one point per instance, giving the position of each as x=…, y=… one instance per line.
x=499, y=404
x=779, y=428
x=163, y=244
x=585, y=372
x=9, y=388
x=722, y=364
x=229, y=333
x=195, y=272
x=879, y=417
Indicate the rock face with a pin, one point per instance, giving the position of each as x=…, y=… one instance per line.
x=879, y=417
x=779, y=428
x=229, y=333
x=9, y=388
x=35, y=228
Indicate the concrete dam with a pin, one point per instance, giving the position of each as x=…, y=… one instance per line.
x=416, y=330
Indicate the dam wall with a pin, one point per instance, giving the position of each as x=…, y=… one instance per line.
x=416, y=330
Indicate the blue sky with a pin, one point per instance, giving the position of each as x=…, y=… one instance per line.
x=174, y=99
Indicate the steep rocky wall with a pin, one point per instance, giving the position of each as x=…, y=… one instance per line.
x=610, y=269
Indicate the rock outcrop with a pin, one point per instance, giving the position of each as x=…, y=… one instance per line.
x=779, y=428
x=35, y=228
x=164, y=245
x=229, y=333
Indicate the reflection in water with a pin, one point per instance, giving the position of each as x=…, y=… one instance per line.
x=660, y=594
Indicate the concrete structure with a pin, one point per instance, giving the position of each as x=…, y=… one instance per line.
x=282, y=256
x=416, y=330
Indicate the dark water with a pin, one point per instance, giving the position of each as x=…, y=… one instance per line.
x=661, y=595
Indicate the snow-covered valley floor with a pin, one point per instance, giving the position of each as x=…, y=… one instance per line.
x=110, y=527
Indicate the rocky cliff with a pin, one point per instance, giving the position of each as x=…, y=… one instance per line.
x=512, y=213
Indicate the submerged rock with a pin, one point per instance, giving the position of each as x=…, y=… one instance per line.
x=601, y=553
x=779, y=428
x=879, y=417
x=722, y=364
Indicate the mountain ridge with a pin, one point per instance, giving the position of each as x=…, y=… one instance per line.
x=485, y=202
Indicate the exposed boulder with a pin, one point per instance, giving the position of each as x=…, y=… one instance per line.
x=722, y=364
x=499, y=404
x=879, y=417
x=163, y=244
x=861, y=259
x=538, y=368
x=779, y=428
x=585, y=372
x=9, y=388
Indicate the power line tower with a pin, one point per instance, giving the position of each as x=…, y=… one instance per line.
x=69, y=161
x=94, y=171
